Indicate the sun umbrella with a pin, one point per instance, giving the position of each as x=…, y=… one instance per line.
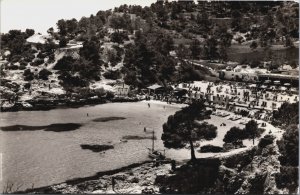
x=263, y=87
x=294, y=89
x=276, y=82
x=282, y=88
x=267, y=81
x=272, y=87
x=287, y=84
x=252, y=85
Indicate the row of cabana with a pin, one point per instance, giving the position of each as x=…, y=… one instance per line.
x=287, y=86
x=276, y=83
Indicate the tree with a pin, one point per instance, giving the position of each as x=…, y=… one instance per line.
x=44, y=73
x=62, y=42
x=182, y=52
x=253, y=45
x=65, y=63
x=289, y=149
x=210, y=48
x=234, y=134
x=29, y=32
x=251, y=129
x=195, y=49
x=50, y=31
x=62, y=27
x=181, y=128
x=90, y=51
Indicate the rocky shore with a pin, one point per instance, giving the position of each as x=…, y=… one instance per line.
x=135, y=178
x=251, y=171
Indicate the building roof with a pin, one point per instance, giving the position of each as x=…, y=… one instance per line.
x=154, y=87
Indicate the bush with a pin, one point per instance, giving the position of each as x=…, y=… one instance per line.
x=22, y=67
x=71, y=81
x=28, y=75
x=64, y=63
x=289, y=147
x=27, y=85
x=51, y=59
x=62, y=42
x=234, y=134
x=13, y=67
x=37, y=62
x=44, y=73
x=266, y=140
x=41, y=55
x=114, y=75
x=287, y=178
x=16, y=58
x=119, y=37
x=210, y=148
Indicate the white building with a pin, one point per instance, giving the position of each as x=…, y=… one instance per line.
x=122, y=90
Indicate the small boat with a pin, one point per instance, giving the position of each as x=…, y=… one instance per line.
x=155, y=154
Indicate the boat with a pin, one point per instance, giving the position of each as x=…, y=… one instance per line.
x=155, y=154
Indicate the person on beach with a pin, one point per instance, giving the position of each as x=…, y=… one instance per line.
x=148, y=105
x=87, y=114
x=145, y=129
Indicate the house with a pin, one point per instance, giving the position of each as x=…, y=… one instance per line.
x=122, y=90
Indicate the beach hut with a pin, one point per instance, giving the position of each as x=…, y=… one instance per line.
x=157, y=89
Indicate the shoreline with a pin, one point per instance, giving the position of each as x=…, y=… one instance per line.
x=47, y=105
x=96, y=176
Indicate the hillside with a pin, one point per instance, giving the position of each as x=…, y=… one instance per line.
x=141, y=46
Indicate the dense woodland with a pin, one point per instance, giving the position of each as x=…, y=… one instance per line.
x=144, y=38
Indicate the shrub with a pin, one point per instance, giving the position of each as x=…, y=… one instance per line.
x=13, y=67
x=16, y=58
x=266, y=140
x=51, y=59
x=289, y=147
x=27, y=85
x=112, y=75
x=37, y=62
x=44, y=73
x=64, y=63
x=28, y=75
x=233, y=135
x=41, y=55
x=287, y=178
x=62, y=42
x=210, y=148
x=22, y=67
x=119, y=37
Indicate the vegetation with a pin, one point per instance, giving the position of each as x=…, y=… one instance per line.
x=181, y=127
x=286, y=115
x=144, y=37
x=251, y=131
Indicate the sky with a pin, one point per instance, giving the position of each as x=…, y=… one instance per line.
x=40, y=15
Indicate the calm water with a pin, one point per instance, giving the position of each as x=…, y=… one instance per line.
x=42, y=158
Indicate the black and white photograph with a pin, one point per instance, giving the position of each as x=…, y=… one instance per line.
x=149, y=97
